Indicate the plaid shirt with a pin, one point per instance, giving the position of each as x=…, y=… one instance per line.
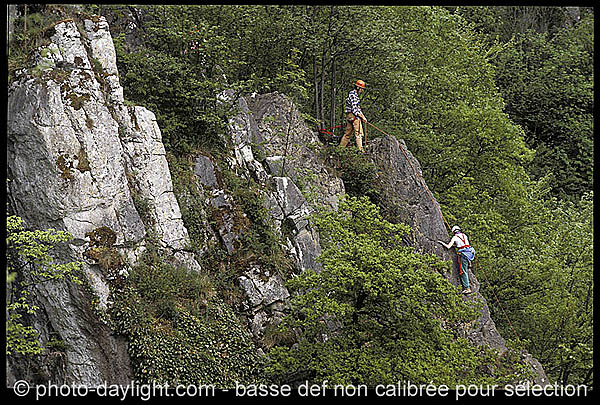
x=353, y=103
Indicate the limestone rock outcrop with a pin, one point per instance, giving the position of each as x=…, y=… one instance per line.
x=271, y=144
x=80, y=160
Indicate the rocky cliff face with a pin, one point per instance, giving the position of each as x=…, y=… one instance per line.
x=270, y=126
x=81, y=160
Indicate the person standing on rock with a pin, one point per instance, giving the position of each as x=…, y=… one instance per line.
x=354, y=115
x=466, y=254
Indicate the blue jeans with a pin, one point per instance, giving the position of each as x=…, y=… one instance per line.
x=464, y=263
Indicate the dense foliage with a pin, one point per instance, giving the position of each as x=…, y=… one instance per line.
x=545, y=73
x=378, y=312
x=543, y=268
x=29, y=262
x=179, y=330
x=495, y=102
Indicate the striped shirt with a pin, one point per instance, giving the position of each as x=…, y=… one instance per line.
x=353, y=104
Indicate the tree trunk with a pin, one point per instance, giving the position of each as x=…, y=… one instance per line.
x=316, y=84
x=332, y=113
x=322, y=91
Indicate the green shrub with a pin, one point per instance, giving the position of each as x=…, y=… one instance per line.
x=356, y=170
x=379, y=313
x=179, y=330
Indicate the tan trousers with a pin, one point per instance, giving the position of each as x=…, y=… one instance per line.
x=352, y=124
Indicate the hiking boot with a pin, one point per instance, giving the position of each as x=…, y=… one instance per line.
x=466, y=291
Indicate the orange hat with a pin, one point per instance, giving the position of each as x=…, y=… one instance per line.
x=360, y=84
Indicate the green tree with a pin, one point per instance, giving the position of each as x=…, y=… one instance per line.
x=30, y=262
x=546, y=81
x=544, y=71
x=378, y=312
x=502, y=22
x=545, y=282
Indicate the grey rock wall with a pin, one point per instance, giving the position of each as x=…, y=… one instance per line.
x=272, y=145
x=78, y=160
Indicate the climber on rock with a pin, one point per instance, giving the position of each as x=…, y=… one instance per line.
x=466, y=254
x=354, y=115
